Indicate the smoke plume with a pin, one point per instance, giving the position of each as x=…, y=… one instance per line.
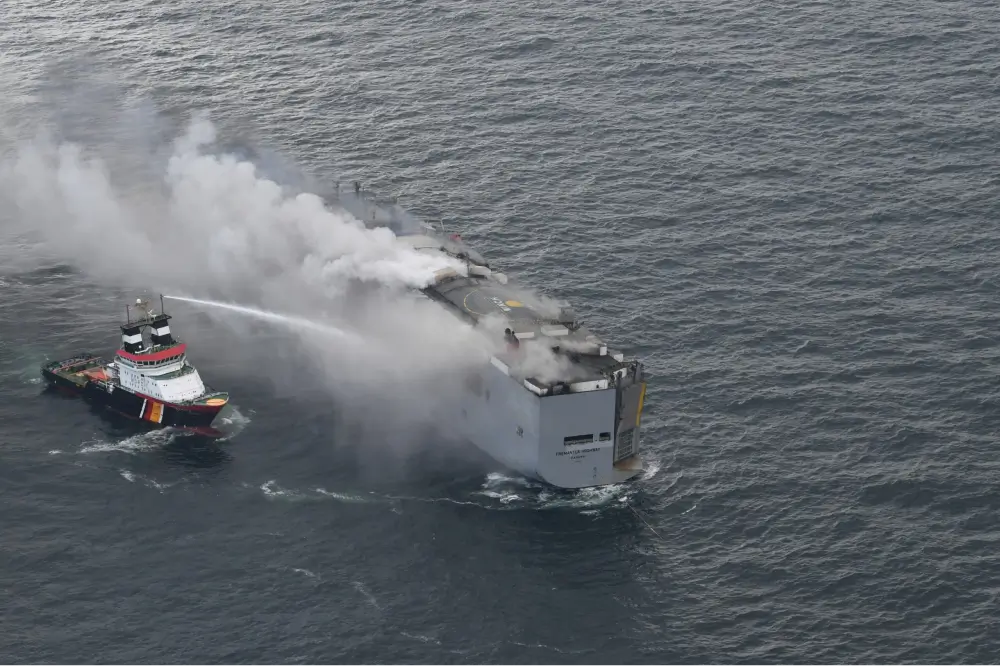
x=197, y=221
x=129, y=205
x=212, y=220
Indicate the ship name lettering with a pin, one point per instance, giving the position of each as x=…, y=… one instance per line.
x=577, y=453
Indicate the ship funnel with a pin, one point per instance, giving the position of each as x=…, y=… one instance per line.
x=160, y=333
x=132, y=339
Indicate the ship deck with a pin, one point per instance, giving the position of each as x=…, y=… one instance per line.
x=78, y=369
x=479, y=298
x=476, y=298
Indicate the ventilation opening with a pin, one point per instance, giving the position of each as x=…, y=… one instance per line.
x=578, y=439
x=605, y=436
x=626, y=445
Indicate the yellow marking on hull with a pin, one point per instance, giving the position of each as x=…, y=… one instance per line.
x=212, y=402
x=156, y=412
x=642, y=399
x=514, y=304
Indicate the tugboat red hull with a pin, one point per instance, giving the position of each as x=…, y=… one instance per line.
x=137, y=406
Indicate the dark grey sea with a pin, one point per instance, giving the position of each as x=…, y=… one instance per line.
x=788, y=210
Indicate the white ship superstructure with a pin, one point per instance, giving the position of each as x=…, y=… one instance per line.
x=149, y=379
x=575, y=426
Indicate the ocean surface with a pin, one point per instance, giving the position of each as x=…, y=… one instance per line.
x=787, y=210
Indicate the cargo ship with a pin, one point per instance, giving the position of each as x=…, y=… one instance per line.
x=149, y=379
x=576, y=429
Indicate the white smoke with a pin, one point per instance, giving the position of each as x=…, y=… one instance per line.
x=536, y=360
x=212, y=220
x=207, y=224
x=197, y=221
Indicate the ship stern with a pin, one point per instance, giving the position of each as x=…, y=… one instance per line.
x=590, y=436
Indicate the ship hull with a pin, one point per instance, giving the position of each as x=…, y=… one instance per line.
x=154, y=412
x=529, y=433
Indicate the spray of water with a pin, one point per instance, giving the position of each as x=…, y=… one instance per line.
x=288, y=321
x=128, y=207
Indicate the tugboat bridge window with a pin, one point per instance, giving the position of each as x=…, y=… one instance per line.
x=163, y=361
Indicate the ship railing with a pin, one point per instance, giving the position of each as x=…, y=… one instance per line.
x=146, y=319
x=174, y=374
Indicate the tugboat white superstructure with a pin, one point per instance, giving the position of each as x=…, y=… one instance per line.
x=575, y=425
x=149, y=379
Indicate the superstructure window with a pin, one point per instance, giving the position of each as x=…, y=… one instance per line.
x=605, y=436
x=578, y=439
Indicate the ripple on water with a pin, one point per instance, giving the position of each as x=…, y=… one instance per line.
x=787, y=211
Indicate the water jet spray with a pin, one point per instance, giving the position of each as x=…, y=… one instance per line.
x=287, y=320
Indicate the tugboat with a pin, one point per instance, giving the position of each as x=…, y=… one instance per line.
x=149, y=379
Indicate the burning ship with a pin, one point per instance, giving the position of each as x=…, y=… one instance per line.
x=150, y=378
x=579, y=429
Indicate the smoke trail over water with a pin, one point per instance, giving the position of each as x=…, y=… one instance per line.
x=211, y=220
x=193, y=220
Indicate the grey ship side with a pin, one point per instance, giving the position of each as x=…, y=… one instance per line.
x=576, y=427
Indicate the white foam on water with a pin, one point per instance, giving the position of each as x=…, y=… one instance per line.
x=436, y=500
x=341, y=496
x=516, y=492
x=360, y=587
x=307, y=573
x=233, y=416
x=504, y=498
x=132, y=477
x=525, y=494
x=549, y=647
x=230, y=422
x=652, y=467
x=496, y=478
x=588, y=498
x=145, y=441
x=272, y=489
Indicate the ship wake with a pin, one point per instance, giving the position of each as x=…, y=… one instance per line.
x=132, y=445
x=516, y=492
